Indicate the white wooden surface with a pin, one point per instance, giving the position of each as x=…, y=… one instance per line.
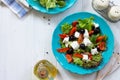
x=25, y=41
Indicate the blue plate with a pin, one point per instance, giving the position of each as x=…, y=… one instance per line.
x=61, y=57
x=38, y=7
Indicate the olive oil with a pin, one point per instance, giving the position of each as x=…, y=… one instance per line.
x=44, y=70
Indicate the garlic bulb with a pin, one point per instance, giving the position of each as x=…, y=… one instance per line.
x=100, y=4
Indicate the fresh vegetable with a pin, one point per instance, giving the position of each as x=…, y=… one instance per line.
x=74, y=23
x=80, y=39
x=90, y=56
x=90, y=64
x=62, y=36
x=52, y=3
x=62, y=44
x=97, y=57
x=69, y=58
x=62, y=49
x=86, y=23
x=78, y=55
x=78, y=61
x=93, y=38
x=102, y=46
x=101, y=38
x=73, y=30
x=82, y=42
x=91, y=32
x=61, y=3
x=66, y=28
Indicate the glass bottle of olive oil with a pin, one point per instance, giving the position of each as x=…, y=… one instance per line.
x=44, y=70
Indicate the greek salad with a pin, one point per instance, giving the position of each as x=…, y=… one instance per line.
x=82, y=42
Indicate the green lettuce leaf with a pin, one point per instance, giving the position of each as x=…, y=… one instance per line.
x=48, y=3
x=86, y=23
x=97, y=57
x=78, y=61
x=66, y=28
x=61, y=3
x=93, y=38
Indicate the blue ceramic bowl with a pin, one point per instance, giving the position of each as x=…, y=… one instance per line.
x=35, y=5
x=61, y=57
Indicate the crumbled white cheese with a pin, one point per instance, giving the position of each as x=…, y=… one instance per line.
x=96, y=25
x=66, y=40
x=94, y=51
x=77, y=34
x=87, y=42
x=86, y=34
x=74, y=45
x=85, y=57
x=66, y=44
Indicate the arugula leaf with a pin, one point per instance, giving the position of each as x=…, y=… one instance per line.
x=86, y=23
x=61, y=3
x=48, y=3
x=43, y=3
x=79, y=51
x=62, y=44
x=97, y=57
x=78, y=61
x=52, y=3
x=66, y=28
x=93, y=38
x=105, y=37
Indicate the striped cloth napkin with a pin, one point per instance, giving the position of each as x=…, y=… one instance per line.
x=19, y=7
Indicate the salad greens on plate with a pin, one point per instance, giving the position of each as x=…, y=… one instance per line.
x=80, y=49
x=52, y=3
x=82, y=42
x=51, y=6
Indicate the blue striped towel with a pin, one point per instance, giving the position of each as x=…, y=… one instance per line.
x=16, y=7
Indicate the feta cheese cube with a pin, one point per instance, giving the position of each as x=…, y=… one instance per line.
x=87, y=42
x=66, y=44
x=77, y=34
x=94, y=51
x=96, y=25
x=66, y=40
x=86, y=34
x=74, y=45
x=85, y=57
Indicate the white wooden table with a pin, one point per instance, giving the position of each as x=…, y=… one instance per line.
x=23, y=42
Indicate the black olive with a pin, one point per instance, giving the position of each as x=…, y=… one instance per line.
x=70, y=51
x=97, y=30
x=72, y=38
x=93, y=27
x=82, y=46
x=82, y=31
x=98, y=49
